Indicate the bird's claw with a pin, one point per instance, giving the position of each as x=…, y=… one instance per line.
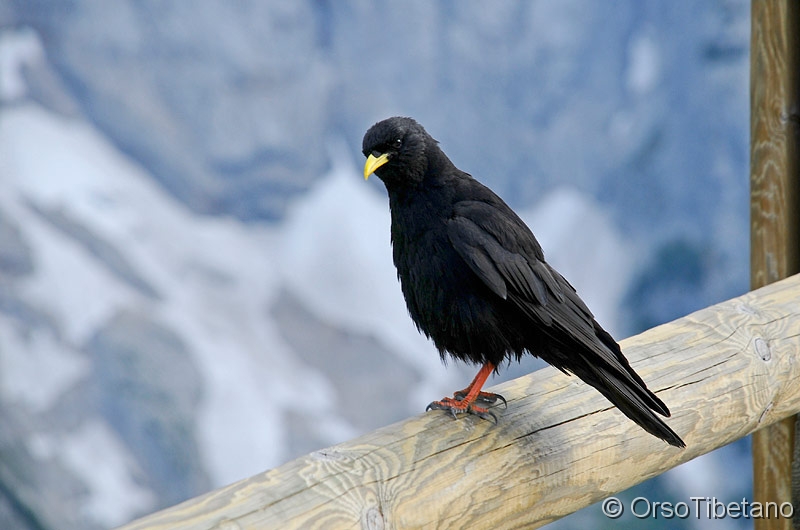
x=482, y=413
x=457, y=406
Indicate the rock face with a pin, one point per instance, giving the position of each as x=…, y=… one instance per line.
x=234, y=97
x=148, y=390
x=156, y=337
x=238, y=99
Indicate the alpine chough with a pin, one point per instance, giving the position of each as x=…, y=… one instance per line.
x=476, y=283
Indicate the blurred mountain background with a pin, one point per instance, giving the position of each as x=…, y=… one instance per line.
x=196, y=283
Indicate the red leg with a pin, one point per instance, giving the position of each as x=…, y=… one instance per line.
x=480, y=379
x=464, y=400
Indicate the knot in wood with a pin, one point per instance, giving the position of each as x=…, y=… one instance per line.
x=329, y=455
x=372, y=519
x=762, y=349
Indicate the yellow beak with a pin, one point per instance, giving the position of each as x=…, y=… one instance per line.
x=374, y=163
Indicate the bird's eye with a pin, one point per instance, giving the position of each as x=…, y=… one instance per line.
x=397, y=144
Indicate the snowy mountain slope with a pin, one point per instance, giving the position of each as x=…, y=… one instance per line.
x=212, y=281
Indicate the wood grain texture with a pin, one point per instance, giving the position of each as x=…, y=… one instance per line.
x=775, y=213
x=724, y=371
x=774, y=141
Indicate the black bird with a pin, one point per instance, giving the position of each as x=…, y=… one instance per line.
x=475, y=280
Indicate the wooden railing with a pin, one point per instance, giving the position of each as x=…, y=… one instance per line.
x=724, y=371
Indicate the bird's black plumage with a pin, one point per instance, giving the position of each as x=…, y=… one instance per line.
x=476, y=282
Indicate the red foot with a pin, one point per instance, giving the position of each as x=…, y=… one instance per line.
x=460, y=406
x=464, y=400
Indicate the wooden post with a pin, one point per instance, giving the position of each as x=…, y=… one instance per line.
x=775, y=216
x=724, y=371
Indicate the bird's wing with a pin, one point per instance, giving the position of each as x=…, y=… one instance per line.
x=503, y=252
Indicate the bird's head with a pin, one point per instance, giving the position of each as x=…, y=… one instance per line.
x=396, y=151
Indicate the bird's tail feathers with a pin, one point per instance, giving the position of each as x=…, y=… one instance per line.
x=629, y=400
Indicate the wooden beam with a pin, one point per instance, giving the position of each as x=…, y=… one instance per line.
x=775, y=213
x=724, y=371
